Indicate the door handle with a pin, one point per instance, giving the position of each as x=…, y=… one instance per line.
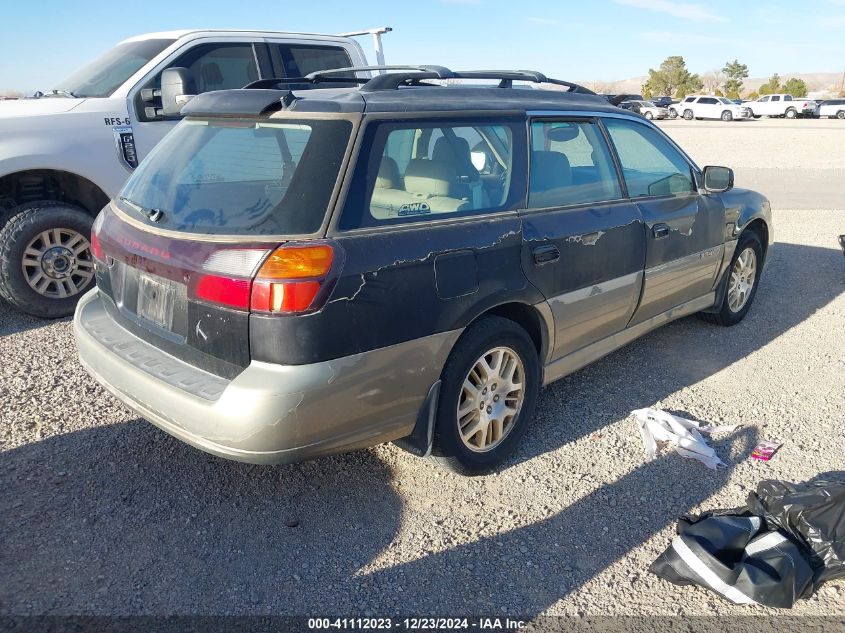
x=660, y=230
x=546, y=254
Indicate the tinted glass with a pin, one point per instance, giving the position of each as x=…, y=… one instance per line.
x=650, y=164
x=107, y=73
x=240, y=177
x=301, y=60
x=707, y=101
x=570, y=164
x=218, y=66
x=775, y=98
x=431, y=170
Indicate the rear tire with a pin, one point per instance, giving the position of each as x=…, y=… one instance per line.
x=840, y=114
x=45, y=258
x=485, y=407
x=791, y=113
x=742, y=283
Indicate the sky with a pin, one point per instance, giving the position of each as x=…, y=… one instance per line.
x=600, y=40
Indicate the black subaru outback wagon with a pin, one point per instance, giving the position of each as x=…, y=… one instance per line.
x=296, y=273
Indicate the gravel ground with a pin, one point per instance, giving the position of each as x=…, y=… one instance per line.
x=101, y=513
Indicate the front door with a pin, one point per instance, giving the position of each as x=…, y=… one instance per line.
x=583, y=241
x=684, y=230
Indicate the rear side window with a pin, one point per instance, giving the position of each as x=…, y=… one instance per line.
x=240, y=177
x=418, y=171
x=650, y=164
x=570, y=164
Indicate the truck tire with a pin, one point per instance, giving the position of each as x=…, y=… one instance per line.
x=791, y=113
x=45, y=258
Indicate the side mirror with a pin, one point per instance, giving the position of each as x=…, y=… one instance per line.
x=176, y=90
x=718, y=179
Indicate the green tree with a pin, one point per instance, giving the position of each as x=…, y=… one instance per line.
x=772, y=86
x=795, y=87
x=752, y=96
x=735, y=73
x=672, y=78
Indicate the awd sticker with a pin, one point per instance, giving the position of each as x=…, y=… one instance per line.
x=414, y=208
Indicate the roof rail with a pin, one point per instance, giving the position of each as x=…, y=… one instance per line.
x=412, y=75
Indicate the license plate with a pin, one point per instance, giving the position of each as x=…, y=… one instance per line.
x=155, y=300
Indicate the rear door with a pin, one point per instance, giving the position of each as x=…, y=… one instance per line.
x=684, y=230
x=584, y=246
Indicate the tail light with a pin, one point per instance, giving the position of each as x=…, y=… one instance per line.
x=287, y=280
x=291, y=278
x=96, y=248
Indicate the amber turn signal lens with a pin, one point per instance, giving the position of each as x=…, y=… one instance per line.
x=297, y=262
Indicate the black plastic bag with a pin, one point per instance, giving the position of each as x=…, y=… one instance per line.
x=787, y=541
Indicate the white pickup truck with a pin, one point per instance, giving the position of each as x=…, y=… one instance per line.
x=65, y=154
x=781, y=105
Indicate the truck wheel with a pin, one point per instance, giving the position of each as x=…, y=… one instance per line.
x=727, y=116
x=45, y=258
x=743, y=278
x=490, y=385
x=688, y=115
x=791, y=113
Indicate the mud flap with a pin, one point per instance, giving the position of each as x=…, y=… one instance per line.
x=419, y=441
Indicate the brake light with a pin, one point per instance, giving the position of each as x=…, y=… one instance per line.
x=96, y=249
x=233, y=293
x=291, y=278
x=287, y=282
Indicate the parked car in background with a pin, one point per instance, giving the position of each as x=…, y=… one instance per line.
x=646, y=109
x=663, y=102
x=780, y=105
x=709, y=107
x=295, y=274
x=63, y=155
x=832, y=109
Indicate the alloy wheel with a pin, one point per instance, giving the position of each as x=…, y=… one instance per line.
x=743, y=276
x=58, y=263
x=491, y=398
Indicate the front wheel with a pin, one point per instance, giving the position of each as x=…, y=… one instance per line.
x=45, y=258
x=649, y=116
x=688, y=115
x=489, y=390
x=840, y=114
x=743, y=278
x=727, y=116
x=673, y=114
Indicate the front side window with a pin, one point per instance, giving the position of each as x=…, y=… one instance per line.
x=418, y=171
x=570, y=164
x=650, y=164
x=240, y=177
x=218, y=66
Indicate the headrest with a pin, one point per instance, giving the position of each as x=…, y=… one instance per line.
x=388, y=174
x=549, y=170
x=211, y=75
x=429, y=177
x=445, y=151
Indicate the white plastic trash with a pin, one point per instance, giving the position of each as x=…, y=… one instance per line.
x=658, y=426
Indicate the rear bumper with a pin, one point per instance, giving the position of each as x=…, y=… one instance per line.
x=269, y=413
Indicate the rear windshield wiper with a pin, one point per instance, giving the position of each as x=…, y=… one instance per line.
x=153, y=215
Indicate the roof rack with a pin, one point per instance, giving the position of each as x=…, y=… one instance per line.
x=414, y=76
